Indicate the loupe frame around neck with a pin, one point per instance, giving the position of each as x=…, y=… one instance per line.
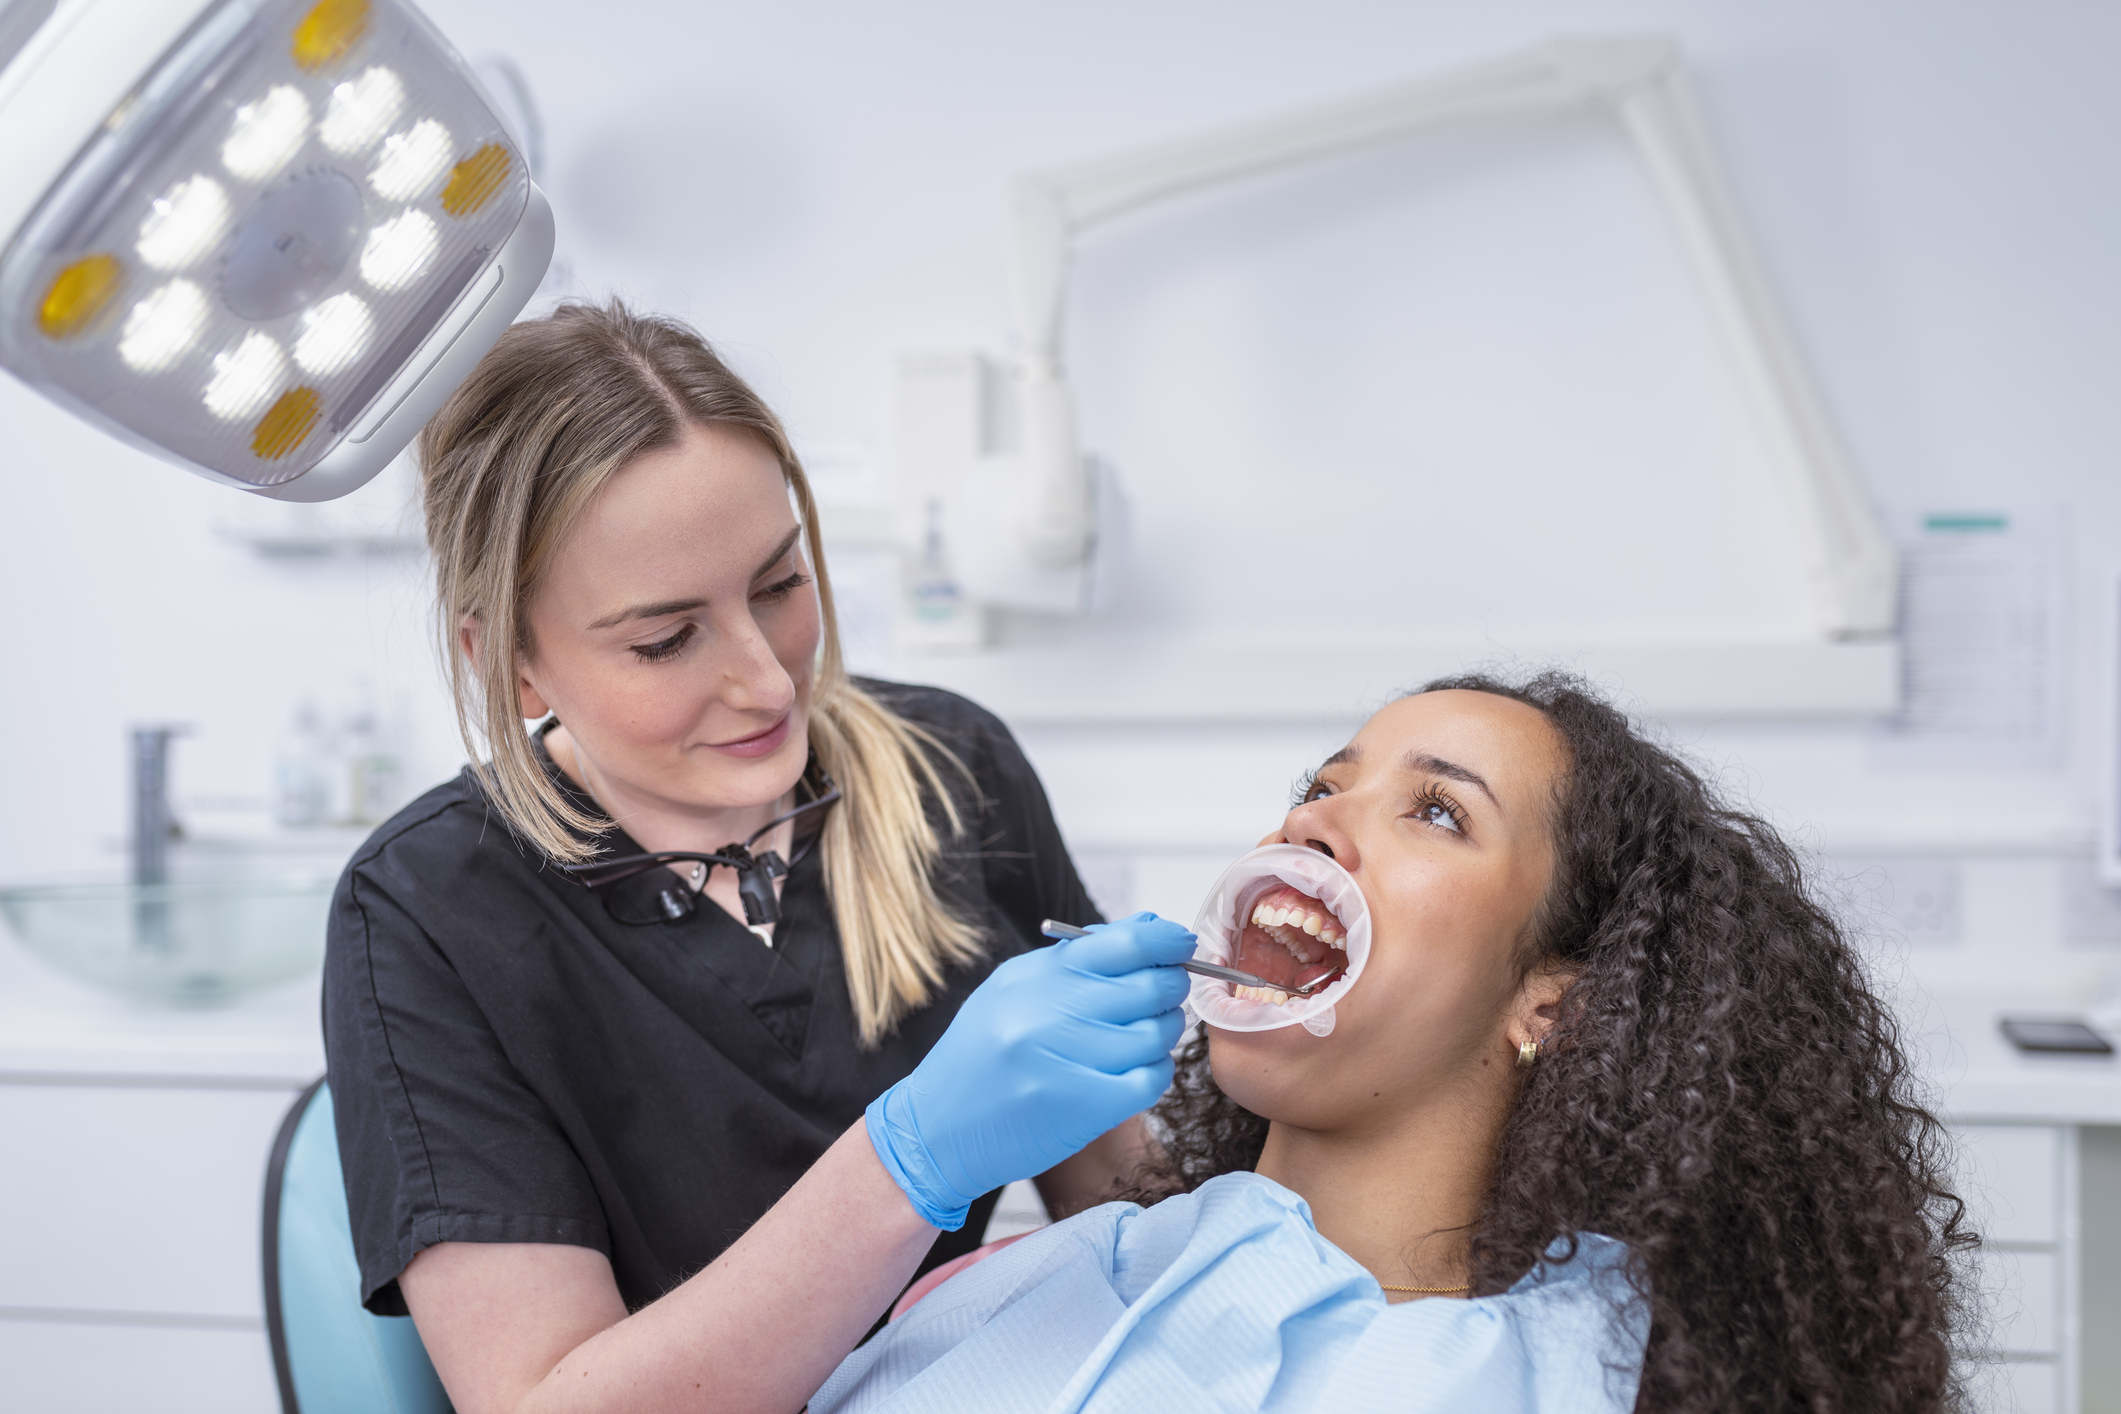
x=755, y=873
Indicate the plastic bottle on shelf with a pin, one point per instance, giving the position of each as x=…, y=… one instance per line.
x=938, y=616
x=369, y=772
x=300, y=792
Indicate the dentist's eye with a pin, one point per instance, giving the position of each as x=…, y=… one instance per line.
x=775, y=593
x=666, y=648
x=1433, y=807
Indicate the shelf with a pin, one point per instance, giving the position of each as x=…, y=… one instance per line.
x=312, y=545
x=1141, y=684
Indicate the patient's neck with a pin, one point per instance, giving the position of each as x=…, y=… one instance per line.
x=1400, y=1198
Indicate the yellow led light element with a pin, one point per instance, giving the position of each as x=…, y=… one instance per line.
x=78, y=294
x=330, y=29
x=285, y=423
x=473, y=181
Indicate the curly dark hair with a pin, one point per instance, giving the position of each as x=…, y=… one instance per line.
x=1722, y=1092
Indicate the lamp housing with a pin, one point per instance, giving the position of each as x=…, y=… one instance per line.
x=261, y=239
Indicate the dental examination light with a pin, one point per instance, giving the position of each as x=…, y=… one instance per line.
x=262, y=239
x=1030, y=532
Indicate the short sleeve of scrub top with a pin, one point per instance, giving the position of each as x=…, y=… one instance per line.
x=511, y=1062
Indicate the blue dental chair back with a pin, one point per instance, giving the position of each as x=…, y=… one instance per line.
x=330, y=1355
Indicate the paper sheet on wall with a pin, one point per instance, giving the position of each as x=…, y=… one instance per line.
x=1983, y=602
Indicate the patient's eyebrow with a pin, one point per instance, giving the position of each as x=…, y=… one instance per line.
x=1426, y=764
x=684, y=606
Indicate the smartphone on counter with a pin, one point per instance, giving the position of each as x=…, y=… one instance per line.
x=2051, y=1037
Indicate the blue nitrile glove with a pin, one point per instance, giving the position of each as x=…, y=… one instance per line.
x=1055, y=1048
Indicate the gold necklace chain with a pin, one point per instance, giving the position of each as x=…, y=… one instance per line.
x=1428, y=1290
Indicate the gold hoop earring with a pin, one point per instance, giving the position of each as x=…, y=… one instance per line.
x=1527, y=1053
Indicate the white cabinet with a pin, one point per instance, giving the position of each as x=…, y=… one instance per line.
x=2022, y=1303
x=2014, y=1385
x=2019, y=1183
x=132, y=1172
x=130, y=1274
x=133, y=1146
x=2012, y=1174
x=143, y=1199
x=71, y=1367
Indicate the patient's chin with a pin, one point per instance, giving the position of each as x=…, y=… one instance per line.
x=1270, y=1073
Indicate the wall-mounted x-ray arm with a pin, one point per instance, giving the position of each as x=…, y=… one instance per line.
x=1641, y=81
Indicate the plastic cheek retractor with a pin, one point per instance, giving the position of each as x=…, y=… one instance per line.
x=1260, y=879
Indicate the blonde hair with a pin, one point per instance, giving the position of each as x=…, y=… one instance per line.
x=507, y=467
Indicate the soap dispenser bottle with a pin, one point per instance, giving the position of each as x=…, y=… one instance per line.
x=299, y=789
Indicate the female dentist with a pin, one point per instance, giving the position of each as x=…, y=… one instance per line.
x=663, y=1041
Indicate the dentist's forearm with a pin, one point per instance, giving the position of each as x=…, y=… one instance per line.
x=758, y=1330
x=1049, y=1053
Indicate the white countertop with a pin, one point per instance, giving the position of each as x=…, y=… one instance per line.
x=56, y=1030
x=1977, y=1075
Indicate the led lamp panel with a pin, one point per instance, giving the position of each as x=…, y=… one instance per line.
x=243, y=263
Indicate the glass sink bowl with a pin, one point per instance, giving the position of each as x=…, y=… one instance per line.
x=191, y=942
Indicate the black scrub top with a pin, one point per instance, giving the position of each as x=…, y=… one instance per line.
x=509, y=1062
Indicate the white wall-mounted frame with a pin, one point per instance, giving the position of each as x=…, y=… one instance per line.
x=2109, y=832
x=1850, y=562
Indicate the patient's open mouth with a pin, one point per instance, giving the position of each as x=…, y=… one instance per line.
x=1289, y=939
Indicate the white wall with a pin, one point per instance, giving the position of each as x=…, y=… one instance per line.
x=1458, y=387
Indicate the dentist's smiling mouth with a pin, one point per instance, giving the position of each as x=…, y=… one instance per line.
x=1288, y=939
x=763, y=743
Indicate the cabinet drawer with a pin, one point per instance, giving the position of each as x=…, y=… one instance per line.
x=135, y=1370
x=140, y=1200
x=2012, y=1387
x=2020, y=1303
x=2011, y=1178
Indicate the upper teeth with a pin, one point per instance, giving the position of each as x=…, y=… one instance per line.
x=1316, y=923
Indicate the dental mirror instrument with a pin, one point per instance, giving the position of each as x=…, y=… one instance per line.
x=1053, y=928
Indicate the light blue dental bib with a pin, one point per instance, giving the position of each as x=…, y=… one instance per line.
x=1228, y=1299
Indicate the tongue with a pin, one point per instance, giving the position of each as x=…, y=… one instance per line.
x=1262, y=955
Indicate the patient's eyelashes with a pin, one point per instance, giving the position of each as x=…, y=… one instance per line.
x=1432, y=806
x=1435, y=807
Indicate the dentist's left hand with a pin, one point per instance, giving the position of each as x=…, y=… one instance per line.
x=1055, y=1048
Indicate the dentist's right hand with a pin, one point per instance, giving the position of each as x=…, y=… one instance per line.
x=1056, y=1047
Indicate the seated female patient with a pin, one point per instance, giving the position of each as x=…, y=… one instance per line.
x=1611, y=1120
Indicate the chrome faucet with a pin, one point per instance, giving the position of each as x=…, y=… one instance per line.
x=154, y=824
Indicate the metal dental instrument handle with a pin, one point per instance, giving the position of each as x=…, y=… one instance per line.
x=1246, y=979
x=1053, y=928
